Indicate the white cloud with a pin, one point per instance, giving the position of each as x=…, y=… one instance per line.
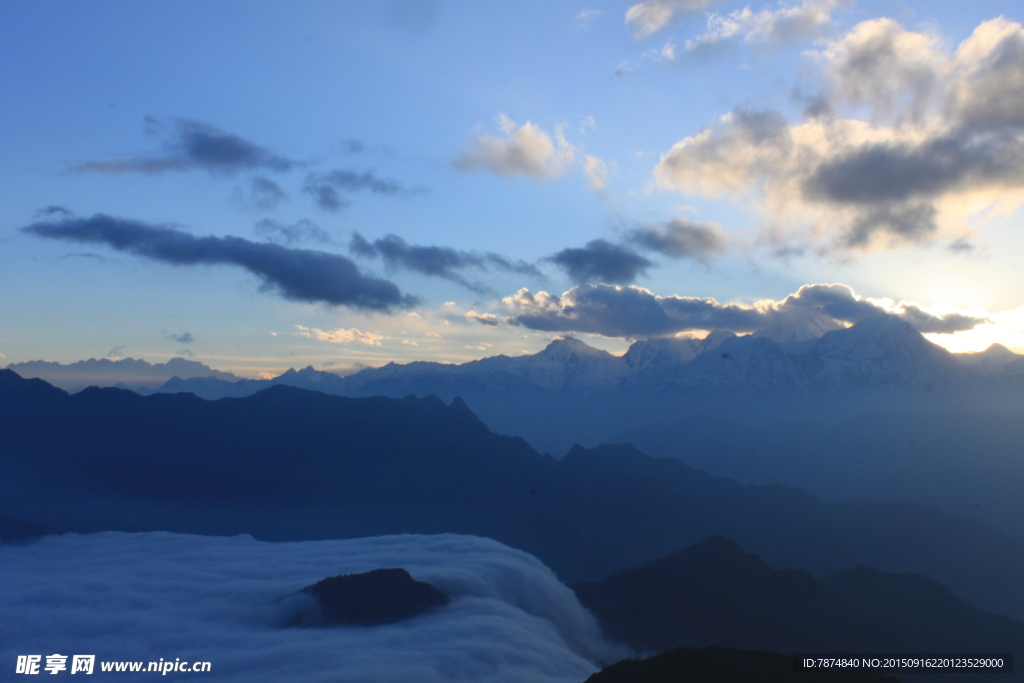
x=885, y=68
x=908, y=141
x=648, y=17
x=160, y=595
x=521, y=150
x=597, y=173
x=341, y=335
x=587, y=17
x=775, y=28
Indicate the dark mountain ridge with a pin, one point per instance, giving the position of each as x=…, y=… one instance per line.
x=289, y=464
x=967, y=465
x=713, y=593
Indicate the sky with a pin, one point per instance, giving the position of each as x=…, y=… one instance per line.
x=260, y=185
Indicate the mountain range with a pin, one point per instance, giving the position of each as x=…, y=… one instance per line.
x=126, y=373
x=291, y=464
x=573, y=393
x=880, y=352
x=965, y=464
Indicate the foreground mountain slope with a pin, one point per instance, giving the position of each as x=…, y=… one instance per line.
x=293, y=464
x=713, y=593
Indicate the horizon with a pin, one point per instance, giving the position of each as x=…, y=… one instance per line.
x=351, y=370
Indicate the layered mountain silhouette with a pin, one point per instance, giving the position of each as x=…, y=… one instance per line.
x=289, y=464
x=966, y=464
x=127, y=373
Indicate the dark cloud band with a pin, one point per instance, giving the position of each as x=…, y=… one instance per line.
x=681, y=238
x=441, y=262
x=327, y=188
x=601, y=261
x=295, y=274
x=194, y=145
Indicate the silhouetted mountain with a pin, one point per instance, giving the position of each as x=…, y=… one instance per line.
x=290, y=464
x=925, y=614
x=572, y=393
x=713, y=593
x=127, y=373
x=380, y=596
x=967, y=465
x=725, y=665
x=16, y=530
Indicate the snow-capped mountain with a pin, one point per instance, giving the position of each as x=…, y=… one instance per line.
x=880, y=353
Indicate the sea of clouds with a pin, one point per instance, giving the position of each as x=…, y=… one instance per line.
x=148, y=596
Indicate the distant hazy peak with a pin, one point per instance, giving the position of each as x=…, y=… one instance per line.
x=128, y=372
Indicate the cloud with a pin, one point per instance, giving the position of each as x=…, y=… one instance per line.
x=601, y=261
x=943, y=139
x=183, y=338
x=648, y=17
x=223, y=599
x=521, y=150
x=296, y=233
x=597, y=173
x=487, y=319
x=295, y=274
x=635, y=312
x=116, y=352
x=770, y=28
x=880, y=66
x=587, y=17
x=51, y=211
x=442, y=262
x=682, y=238
x=341, y=335
x=87, y=255
x=194, y=145
x=327, y=188
x=265, y=194
x=353, y=146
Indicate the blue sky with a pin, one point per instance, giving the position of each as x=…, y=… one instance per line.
x=267, y=185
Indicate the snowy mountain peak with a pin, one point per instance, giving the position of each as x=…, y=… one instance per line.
x=660, y=351
x=994, y=360
x=568, y=347
x=875, y=336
